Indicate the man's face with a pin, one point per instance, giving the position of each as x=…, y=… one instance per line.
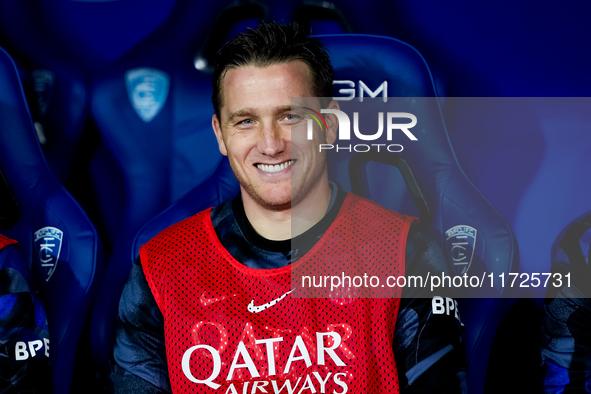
x=255, y=132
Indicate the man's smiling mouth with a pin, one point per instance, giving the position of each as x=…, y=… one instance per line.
x=276, y=167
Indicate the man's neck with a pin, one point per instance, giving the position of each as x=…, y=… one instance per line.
x=288, y=223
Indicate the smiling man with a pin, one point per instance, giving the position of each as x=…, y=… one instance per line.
x=274, y=172
x=209, y=306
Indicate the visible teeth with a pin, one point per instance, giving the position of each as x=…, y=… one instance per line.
x=274, y=168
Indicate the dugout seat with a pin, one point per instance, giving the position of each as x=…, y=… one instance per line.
x=86, y=34
x=58, y=240
x=221, y=186
x=55, y=89
x=451, y=209
x=321, y=18
x=153, y=112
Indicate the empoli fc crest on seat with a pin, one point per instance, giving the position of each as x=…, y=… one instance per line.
x=460, y=242
x=48, y=244
x=147, y=89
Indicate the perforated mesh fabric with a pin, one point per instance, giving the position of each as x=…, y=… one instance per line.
x=234, y=329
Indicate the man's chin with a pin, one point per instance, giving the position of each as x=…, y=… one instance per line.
x=277, y=203
x=279, y=206
x=273, y=200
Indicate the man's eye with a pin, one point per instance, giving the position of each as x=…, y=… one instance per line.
x=245, y=122
x=293, y=117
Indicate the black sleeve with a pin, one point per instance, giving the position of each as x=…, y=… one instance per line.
x=430, y=355
x=24, y=335
x=566, y=341
x=139, y=353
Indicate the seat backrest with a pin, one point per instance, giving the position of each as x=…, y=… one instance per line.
x=153, y=111
x=90, y=33
x=159, y=93
x=456, y=211
x=221, y=186
x=58, y=240
x=55, y=88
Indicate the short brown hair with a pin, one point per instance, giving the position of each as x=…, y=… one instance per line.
x=270, y=44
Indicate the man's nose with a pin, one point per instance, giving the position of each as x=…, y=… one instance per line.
x=271, y=141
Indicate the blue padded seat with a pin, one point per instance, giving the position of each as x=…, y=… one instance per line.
x=58, y=240
x=56, y=90
x=222, y=186
x=153, y=112
x=454, y=205
x=86, y=34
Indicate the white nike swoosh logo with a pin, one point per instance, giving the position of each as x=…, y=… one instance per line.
x=256, y=309
x=210, y=301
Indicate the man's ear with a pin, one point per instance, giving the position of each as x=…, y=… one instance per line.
x=217, y=129
x=332, y=122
